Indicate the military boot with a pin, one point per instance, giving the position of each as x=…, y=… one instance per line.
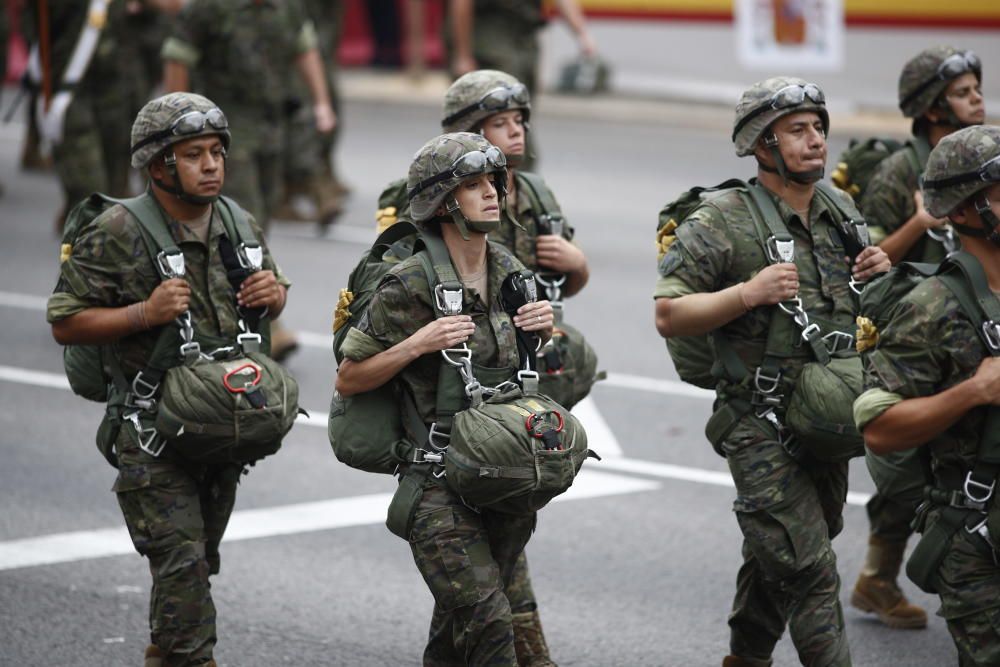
x=876, y=590
x=529, y=641
x=329, y=200
x=291, y=208
x=154, y=656
x=283, y=342
x=733, y=661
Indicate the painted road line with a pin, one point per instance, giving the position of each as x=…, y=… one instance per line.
x=28, y=301
x=36, y=378
x=270, y=522
x=599, y=435
x=698, y=475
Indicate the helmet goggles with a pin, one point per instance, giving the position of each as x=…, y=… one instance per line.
x=471, y=164
x=498, y=99
x=192, y=122
x=987, y=173
x=789, y=96
x=950, y=68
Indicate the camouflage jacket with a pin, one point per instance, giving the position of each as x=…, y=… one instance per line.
x=241, y=53
x=928, y=347
x=718, y=246
x=513, y=15
x=403, y=303
x=109, y=267
x=888, y=203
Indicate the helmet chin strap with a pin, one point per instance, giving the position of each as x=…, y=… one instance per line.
x=170, y=161
x=801, y=177
x=464, y=224
x=989, y=219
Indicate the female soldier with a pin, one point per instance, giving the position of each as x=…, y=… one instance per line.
x=455, y=185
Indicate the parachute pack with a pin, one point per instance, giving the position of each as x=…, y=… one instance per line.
x=858, y=163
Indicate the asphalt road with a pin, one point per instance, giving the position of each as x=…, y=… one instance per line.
x=636, y=567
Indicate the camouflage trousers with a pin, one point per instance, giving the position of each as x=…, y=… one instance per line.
x=467, y=558
x=890, y=519
x=788, y=512
x=176, y=515
x=253, y=166
x=969, y=586
x=94, y=153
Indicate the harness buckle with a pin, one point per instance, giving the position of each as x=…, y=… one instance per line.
x=792, y=307
x=780, y=250
x=971, y=485
x=170, y=263
x=423, y=456
x=191, y=351
x=249, y=342
x=761, y=381
x=464, y=354
x=250, y=256
x=143, y=389
x=448, y=299
x=836, y=341
x=433, y=434
x=991, y=331
x=810, y=331
x=146, y=437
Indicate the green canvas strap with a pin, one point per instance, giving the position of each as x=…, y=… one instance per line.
x=964, y=276
x=540, y=195
x=918, y=149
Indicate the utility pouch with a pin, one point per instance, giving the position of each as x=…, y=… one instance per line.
x=403, y=506
x=925, y=561
x=366, y=430
x=567, y=366
x=821, y=409
x=107, y=435
x=721, y=424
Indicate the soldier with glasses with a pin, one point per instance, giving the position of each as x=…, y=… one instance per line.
x=933, y=382
x=466, y=556
x=716, y=277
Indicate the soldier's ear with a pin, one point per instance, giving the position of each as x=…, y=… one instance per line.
x=963, y=212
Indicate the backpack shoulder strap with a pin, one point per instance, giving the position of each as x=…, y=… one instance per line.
x=540, y=193
x=918, y=149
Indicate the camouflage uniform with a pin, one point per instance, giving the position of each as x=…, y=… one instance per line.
x=226, y=44
x=928, y=347
x=467, y=557
x=788, y=509
x=93, y=153
x=176, y=511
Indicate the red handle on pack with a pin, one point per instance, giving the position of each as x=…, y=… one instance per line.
x=241, y=390
x=529, y=423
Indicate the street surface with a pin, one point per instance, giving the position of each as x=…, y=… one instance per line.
x=634, y=567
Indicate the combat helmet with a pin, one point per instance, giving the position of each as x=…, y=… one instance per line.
x=168, y=120
x=476, y=96
x=441, y=165
x=767, y=101
x=926, y=76
x=963, y=165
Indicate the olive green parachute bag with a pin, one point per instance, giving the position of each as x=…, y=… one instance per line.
x=366, y=430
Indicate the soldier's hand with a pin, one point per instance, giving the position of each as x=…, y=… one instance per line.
x=925, y=219
x=261, y=289
x=775, y=283
x=987, y=379
x=325, y=117
x=536, y=317
x=443, y=333
x=556, y=253
x=870, y=261
x=169, y=300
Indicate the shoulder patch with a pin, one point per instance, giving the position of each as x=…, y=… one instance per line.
x=671, y=260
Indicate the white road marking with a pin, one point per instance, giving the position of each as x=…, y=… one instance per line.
x=36, y=378
x=28, y=301
x=599, y=435
x=270, y=522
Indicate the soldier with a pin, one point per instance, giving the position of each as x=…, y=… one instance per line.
x=398, y=335
x=504, y=36
x=932, y=382
x=218, y=47
x=940, y=90
x=176, y=511
x=308, y=155
x=716, y=277
x=84, y=117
